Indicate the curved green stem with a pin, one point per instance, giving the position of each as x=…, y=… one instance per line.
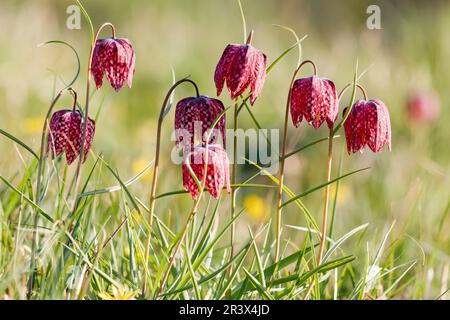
x=244, y=23
x=233, y=181
x=38, y=184
x=155, y=170
x=326, y=199
x=201, y=187
x=86, y=110
x=283, y=158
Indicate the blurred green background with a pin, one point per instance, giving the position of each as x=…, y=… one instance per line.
x=410, y=185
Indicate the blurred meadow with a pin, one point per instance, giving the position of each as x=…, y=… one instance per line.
x=404, y=196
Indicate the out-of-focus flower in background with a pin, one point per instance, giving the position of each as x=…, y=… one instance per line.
x=343, y=193
x=423, y=106
x=255, y=207
x=138, y=166
x=32, y=125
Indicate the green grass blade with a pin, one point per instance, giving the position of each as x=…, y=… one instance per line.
x=262, y=291
x=321, y=186
x=77, y=73
x=19, y=142
x=118, y=187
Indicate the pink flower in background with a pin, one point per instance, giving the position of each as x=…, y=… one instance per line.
x=66, y=131
x=315, y=99
x=116, y=59
x=217, y=170
x=200, y=110
x=241, y=67
x=368, y=124
x=423, y=107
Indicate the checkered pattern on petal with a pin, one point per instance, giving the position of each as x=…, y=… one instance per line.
x=203, y=110
x=331, y=99
x=66, y=132
x=73, y=143
x=378, y=125
x=242, y=67
x=259, y=76
x=90, y=131
x=223, y=66
x=315, y=99
x=355, y=128
x=57, y=136
x=116, y=59
x=217, y=175
x=368, y=124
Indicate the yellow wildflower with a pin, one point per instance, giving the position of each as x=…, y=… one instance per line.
x=33, y=125
x=255, y=207
x=121, y=293
x=138, y=166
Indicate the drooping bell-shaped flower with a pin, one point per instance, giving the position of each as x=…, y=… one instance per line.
x=241, y=67
x=116, y=58
x=217, y=172
x=66, y=133
x=423, y=107
x=315, y=99
x=195, y=116
x=368, y=124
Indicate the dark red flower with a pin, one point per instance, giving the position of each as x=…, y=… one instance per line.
x=368, y=124
x=201, y=111
x=217, y=170
x=116, y=58
x=423, y=107
x=241, y=66
x=66, y=133
x=315, y=99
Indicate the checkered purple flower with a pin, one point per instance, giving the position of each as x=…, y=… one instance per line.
x=217, y=170
x=314, y=99
x=241, y=67
x=203, y=111
x=115, y=58
x=368, y=124
x=66, y=133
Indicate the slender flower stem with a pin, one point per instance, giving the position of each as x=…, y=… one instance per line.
x=234, y=166
x=244, y=24
x=191, y=215
x=156, y=166
x=177, y=247
x=233, y=181
x=283, y=158
x=363, y=91
x=86, y=110
x=323, y=235
x=38, y=184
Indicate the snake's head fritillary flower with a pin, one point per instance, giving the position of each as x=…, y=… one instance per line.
x=241, y=67
x=368, y=124
x=66, y=133
x=116, y=58
x=199, y=111
x=315, y=99
x=423, y=107
x=217, y=172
